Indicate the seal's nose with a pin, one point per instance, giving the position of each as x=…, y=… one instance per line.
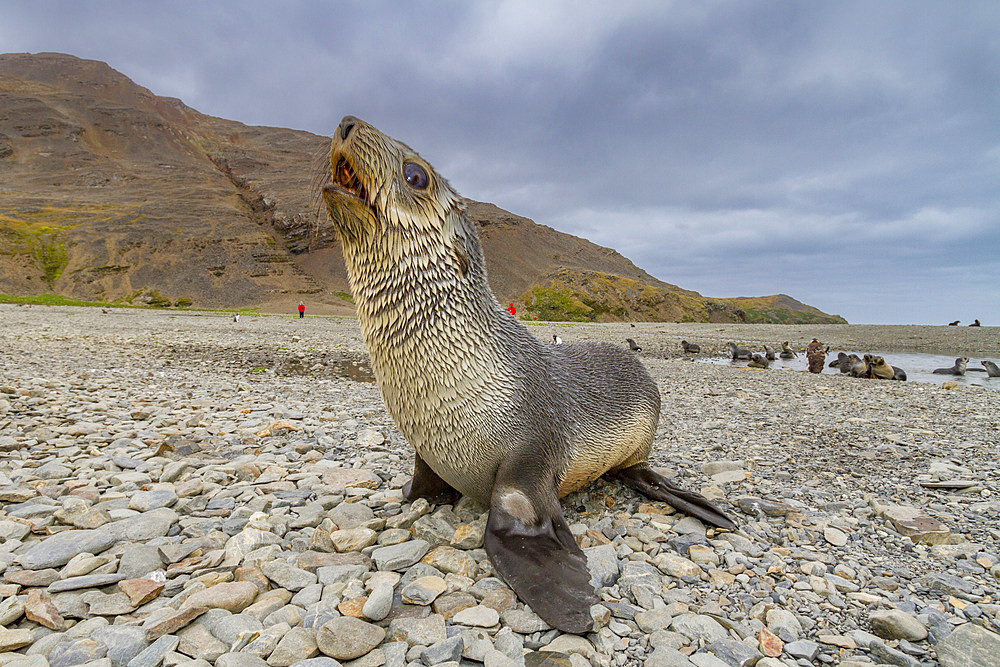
x=346, y=125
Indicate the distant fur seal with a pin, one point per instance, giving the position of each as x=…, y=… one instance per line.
x=769, y=353
x=492, y=412
x=816, y=356
x=690, y=348
x=737, y=352
x=955, y=323
x=786, y=351
x=758, y=360
x=881, y=370
x=975, y=324
x=992, y=370
x=632, y=345
x=958, y=369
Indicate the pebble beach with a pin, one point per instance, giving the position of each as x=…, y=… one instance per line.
x=177, y=488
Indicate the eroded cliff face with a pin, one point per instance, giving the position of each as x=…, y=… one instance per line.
x=109, y=192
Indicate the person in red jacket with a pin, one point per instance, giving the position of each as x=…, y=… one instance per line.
x=511, y=309
x=302, y=310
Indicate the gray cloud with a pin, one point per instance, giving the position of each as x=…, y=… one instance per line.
x=845, y=154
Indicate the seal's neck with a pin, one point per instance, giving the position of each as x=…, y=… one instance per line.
x=423, y=306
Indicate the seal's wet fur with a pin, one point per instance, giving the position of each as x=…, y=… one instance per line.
x=491, y=412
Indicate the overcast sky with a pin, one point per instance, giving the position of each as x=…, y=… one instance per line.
x=844, y=153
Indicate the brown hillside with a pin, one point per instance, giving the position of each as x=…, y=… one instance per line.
x=110, y=192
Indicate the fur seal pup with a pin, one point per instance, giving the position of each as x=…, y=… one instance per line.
x=758, y=360
x=958, y=369
x=992, y=370
x=491, y=411
x=738, y=353
x=786, y=351
x=690, y=348
x=816, y=356
x=632, y=345
x=881, y=370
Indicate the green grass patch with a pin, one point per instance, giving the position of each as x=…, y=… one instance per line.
x=344, y=296
x=52, y=300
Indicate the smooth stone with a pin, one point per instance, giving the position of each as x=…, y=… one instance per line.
x=138, y=560
x=524, y=621
x=171, y=623
x=144, y=527
x=969, y=645
x=570, y=645
x=58, y=549
x=11, y=640
x=144, y=501
x=398, y=556
x=422, y=631
x=915, y=523
x=665, y=656
x=834, y=536
x=288, y=576
x=896, y=624
x=243, y=660
x=651, y=621
x=76, y=652
x=734, y=653
x=227, y=630
x=153, y=655
x=350, y=515
x=124, y=642
x=353, y=539
x=379, y=603
x=347, y=638
x=30, y=578
x=197, y=641
x=423, y=590
x=297, y=644
x=676, y=566
x=333, y=574
x=698, y=627
x=447, y=650
x=233, y=596
x=479, y=616
x=784, y=624
x=802, y=648
x=602, y=562
x=86, y=581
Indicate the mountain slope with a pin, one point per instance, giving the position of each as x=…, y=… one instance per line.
x=110, y=192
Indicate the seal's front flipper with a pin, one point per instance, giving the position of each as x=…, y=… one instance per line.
x=427, y=484
x=658, y=487
x=530, y=546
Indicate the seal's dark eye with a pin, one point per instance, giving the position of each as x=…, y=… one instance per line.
x=415, y=175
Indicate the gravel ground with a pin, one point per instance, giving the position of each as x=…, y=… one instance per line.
x=178, y=488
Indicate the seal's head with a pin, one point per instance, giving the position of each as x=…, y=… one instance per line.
x=385, y=197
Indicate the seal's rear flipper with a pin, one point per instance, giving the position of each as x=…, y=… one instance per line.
x=530, y=546
x=658, y=487
x=427, y=484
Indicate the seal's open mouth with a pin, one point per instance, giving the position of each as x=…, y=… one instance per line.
x=347, y=181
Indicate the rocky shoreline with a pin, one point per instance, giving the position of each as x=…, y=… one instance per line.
x=181, y=489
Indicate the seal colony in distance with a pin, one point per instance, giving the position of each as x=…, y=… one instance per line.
x=491, y=412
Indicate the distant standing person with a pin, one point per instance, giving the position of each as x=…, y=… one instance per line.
x=512, y=310
x=302, y=310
